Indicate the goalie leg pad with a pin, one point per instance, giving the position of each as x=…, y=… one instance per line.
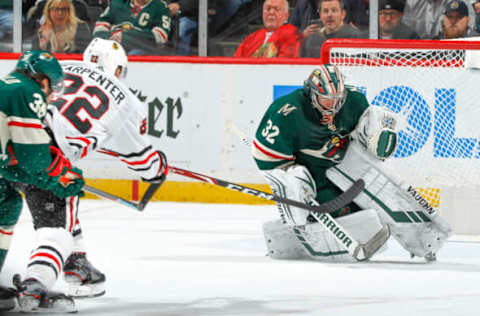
x=282, y=242
x=295, y=183
x=314, y=242
x=416, y=226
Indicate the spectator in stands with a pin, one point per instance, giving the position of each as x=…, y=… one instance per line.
x=35, y=15
x=455, y=21
x=141, y=26
x=425, y=17
x=476, y=9
x=61, y=31
x=6, y=20
x=358, y=14
x=332, y=15
x=390, y=21
x=305, y=17
x=188, y=23
x=276, y=38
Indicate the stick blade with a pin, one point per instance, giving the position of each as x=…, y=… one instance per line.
x=367, y=250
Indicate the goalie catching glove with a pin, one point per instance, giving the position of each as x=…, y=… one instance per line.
x=376, y=132
x=162, y=170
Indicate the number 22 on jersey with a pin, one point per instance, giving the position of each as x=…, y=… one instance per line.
x=77, y=97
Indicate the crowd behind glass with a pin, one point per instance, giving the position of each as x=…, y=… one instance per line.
x=241, y=28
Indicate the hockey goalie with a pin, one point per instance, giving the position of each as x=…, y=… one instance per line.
x=311, y=145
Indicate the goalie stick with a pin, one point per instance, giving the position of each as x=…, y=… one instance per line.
x=330, y=206
x=357, y=250
x=139, y=206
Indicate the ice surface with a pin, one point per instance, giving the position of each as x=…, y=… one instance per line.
x=182, y=259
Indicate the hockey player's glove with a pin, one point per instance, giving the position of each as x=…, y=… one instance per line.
x=69, y=184
x=65, y=175
x=162, y=171
x=59, y=163
x=43, y=181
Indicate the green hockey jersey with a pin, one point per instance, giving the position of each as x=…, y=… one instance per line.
x=23, y=140
x=145, y=27
x=291, y=132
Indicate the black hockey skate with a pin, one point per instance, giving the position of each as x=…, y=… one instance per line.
x=33, y=296
x=7, y=298
x=83, y=279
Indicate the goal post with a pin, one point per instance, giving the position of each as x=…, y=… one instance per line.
x=433, y=87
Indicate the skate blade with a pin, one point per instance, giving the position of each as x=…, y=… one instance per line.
x=32, y=305
x=79, y=291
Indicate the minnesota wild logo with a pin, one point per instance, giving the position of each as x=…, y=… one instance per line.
x=334, y=149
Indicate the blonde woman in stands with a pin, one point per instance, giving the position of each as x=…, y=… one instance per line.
x=60, y=30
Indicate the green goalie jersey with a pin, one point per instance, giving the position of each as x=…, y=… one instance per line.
x=290, y=132
x=24, y=142
x=146, y=27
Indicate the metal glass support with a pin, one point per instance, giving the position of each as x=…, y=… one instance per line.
x=373, y=19
x=202, y=27
x=17, y=26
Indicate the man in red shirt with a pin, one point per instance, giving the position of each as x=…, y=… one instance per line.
x=276, y=39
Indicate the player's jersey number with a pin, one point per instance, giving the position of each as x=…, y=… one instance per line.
x=270, y=132
x=71, y=106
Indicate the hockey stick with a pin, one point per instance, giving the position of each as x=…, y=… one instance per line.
x=139, y=206
x=358, y=251
x=340, y=201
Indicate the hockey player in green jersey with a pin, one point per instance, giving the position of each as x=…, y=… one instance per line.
x=27, y=156
x=299, y=138
x=141, y=26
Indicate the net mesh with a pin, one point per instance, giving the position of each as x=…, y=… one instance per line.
x=434, y=97
x=397, y=57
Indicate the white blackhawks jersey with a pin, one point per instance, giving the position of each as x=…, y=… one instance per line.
x=99, y=113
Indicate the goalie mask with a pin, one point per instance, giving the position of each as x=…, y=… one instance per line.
x=108, y=56
x=326, y=89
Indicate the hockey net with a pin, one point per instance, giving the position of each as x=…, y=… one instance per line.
x=434, y=89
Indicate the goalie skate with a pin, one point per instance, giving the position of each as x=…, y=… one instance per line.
x=83, y=279
x=33, y=296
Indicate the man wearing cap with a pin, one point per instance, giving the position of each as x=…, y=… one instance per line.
x=455, y=21
x=390, y=14
x=425, y=17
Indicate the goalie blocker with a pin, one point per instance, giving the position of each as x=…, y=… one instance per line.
x=419, y=230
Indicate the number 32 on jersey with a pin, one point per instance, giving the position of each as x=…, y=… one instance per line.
x=270, y=132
